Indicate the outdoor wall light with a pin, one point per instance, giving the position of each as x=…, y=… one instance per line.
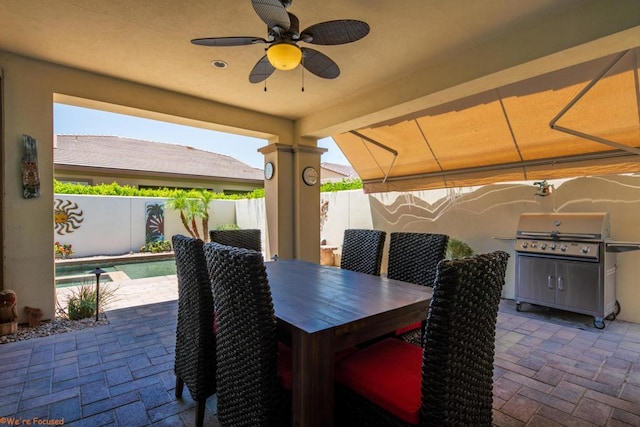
x=284, y=56
x=97, y=271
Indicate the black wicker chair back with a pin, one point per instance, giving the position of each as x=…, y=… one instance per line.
x=248, y=389
x=247, y=239
x=362, y=250
x=458, y=350
x=459, y=345
x=195, y=357
x=414, y=257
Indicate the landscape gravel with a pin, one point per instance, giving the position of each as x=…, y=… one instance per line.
x=52, y=327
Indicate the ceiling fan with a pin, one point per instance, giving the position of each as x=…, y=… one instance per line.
x=283, y=37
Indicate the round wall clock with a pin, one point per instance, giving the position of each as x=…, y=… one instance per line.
x=310, y=175
x=269, y=169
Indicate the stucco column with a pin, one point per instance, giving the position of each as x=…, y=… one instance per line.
x=293, y=206
x=279, y=204
x=307, y=202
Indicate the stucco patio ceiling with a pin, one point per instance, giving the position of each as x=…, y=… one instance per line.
x=582, y=120
x=419, y=61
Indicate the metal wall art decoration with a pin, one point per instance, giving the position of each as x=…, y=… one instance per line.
x=30, y=176
x=67, y=216
x=154, y=227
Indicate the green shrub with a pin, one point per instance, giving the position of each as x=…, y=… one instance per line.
x=81, y=303
x=82, y=306
x=345, y=184
x=228, y=227
x=458, y=249
x=156, y=247
x=114, y=189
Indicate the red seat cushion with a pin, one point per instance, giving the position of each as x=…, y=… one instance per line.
x=408, y=328
x=389, y=374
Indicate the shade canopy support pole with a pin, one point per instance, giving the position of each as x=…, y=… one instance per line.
x=554, y=126
x=379, y=145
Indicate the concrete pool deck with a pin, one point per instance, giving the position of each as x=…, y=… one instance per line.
x=130, y=292
x=133, y=292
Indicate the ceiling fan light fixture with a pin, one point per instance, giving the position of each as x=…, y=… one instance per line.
x=284, y=56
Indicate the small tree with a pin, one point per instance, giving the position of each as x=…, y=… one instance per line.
x=179, y=203
x=191, y=209
x=205, y=198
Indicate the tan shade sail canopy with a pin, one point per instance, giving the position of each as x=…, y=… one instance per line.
x=506, y=134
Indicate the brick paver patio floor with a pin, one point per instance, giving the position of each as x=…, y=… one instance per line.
x=551, y=369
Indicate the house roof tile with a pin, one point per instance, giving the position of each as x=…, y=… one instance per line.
x=114, y=152
x=345, y=170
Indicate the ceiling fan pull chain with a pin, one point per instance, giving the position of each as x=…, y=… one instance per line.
x=302, y=70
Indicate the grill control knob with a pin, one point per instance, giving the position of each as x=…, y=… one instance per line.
x=525, y=245
x=563, y=248
x=553, y=246
x=584, y=249
x=534, y=244
x=543, y=246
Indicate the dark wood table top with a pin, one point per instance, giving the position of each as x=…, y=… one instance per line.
x=313, y=297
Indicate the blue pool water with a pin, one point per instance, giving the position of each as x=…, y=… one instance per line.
x=80, y=274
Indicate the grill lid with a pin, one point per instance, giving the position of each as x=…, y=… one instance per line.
x=564, y=226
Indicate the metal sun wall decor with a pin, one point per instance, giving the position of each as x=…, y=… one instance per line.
x=67, y=216
x=30, y=176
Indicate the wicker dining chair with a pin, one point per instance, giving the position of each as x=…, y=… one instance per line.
x=247, y=239
x=414, y=258
x=249, y=370
x=195, y=355
x=362, y=250
x=447, y=382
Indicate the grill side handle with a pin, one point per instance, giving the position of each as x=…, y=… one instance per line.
x=622, y=246
x=558, y=235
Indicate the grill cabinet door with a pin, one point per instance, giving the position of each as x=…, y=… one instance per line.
x=536, y=280
x=578, y=286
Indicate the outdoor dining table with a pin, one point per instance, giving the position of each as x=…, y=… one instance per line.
x=321, y=310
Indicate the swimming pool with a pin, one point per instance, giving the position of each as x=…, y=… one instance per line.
x=80, y=273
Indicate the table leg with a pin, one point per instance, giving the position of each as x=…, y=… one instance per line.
x=313, y=365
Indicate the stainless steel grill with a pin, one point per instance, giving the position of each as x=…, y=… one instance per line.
x=568, y=261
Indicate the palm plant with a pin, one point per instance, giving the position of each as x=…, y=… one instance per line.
x=179, y=203
x=205, y=198
x=191, y=209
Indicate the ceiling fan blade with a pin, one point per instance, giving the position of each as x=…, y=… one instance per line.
x=261, y=71
x=335, y=32
x=319, y=64
x=273, y=13
x=228, y=41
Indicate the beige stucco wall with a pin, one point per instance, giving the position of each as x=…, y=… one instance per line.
x=113, y=225
x=487, y=218
x=30, y=88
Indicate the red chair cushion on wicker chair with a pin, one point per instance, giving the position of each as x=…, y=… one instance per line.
x=389, y=374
